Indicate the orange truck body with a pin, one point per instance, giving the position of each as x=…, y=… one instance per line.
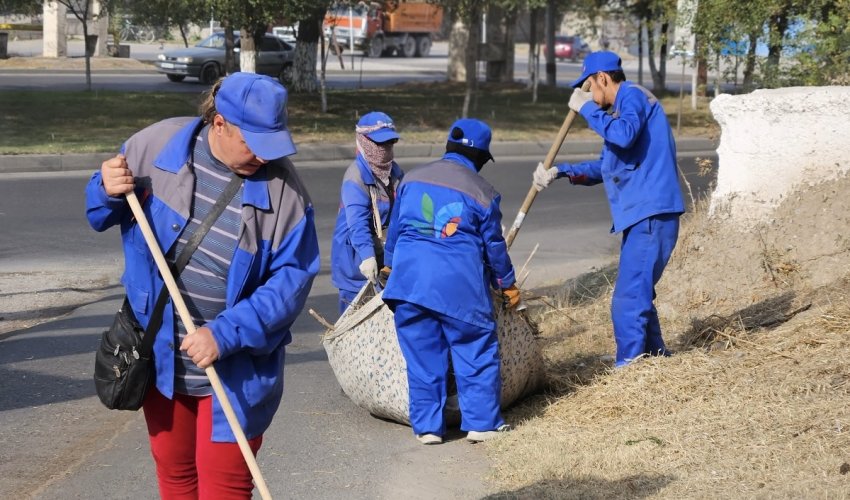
x=380, y=28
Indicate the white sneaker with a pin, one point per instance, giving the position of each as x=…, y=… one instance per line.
x=479, y=436
x=429, y=438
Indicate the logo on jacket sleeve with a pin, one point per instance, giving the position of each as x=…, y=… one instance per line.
x=444, y=224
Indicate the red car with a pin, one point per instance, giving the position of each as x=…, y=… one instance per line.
x=571, y=48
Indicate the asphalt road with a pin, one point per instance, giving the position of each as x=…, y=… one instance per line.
x=57, y=442
x=356, y=72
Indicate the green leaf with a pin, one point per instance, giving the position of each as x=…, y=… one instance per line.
x=427, y=208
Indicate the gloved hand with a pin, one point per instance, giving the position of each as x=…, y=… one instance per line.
x=579, y=98
x=369, y=269
x=384, y=275
x=510, y=297
x=543, y=176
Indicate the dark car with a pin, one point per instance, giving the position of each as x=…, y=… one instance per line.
x=570, y=48
x=205, y=61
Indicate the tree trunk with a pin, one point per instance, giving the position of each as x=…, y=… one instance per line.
x=532, y=48
x=549, y=47
x=469, y=100
x=182, y=35
x=304, y=78
x=248, y=51
x=750, y=63
x=500, y=33
x=640, y=52
x=663, y=51
x=87, y=54
x=650, y=53
x=458, y=42
x=778, y=26
x=229, y=55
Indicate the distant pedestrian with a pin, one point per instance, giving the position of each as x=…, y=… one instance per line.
x=446, y=251
x=244, y=286
x=638, y=169
x=367, y=196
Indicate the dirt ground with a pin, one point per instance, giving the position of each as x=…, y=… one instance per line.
x=30, y=298
x=72, y=63
x=753, y=402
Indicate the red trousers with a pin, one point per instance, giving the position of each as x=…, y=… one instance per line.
x=188, y=464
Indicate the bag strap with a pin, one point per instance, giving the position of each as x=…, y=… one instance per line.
x=183, y=259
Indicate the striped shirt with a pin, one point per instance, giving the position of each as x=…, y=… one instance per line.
x=203, y=281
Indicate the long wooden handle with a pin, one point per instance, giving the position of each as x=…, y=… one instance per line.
x=183, y=311
x=547, y=163
x=379, y=224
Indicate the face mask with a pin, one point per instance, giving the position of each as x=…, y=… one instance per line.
x=379, y=156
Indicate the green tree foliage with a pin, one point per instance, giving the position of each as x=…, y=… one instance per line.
x=806, y=41
x=23, y=7
x=162, y=14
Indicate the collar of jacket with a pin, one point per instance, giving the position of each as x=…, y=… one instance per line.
x=177, y=151
x=618, y=99
x=366, y=171
x=459, y=158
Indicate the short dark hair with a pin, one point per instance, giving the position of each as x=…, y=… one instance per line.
x=617, y=75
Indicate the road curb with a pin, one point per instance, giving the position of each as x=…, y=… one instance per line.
x=37, y=163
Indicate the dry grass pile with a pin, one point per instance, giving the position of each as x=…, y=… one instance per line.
x=754, y=403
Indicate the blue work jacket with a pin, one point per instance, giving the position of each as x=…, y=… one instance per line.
x=355, y=238
x=271, y=272
x=638, y=160
x=445, y=242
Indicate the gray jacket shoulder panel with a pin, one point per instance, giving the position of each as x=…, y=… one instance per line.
x=143, y=148
x=352, y=174
x=289, y=202
x=451, y=175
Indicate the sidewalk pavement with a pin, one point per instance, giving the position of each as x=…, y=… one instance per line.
x=36, y=163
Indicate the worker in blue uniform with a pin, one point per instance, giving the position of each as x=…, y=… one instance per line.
x=366, y=199
x=446, y=251
x=638, y=169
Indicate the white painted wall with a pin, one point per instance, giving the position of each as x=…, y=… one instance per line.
x=772, y=140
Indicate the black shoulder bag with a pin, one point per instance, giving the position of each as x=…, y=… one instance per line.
x=123, y=364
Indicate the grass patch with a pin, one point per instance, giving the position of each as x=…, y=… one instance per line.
x=81, y=122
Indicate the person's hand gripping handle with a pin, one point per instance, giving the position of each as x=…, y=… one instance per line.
x=547, y=164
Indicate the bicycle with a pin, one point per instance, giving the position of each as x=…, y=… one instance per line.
x=131, y=32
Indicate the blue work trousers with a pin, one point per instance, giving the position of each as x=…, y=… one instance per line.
x=346, y=298
x=425, y=338
x=644, y=252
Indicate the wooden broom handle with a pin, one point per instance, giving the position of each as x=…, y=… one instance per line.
x=547, y=163
x=183, y=311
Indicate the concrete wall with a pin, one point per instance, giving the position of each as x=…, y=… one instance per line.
x=774, y=140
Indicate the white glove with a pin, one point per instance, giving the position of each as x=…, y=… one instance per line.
x=579, y=98
x=369, y=268
x=543, y=176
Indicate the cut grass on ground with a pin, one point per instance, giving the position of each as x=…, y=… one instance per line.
x=752, y=405
x=49, y=122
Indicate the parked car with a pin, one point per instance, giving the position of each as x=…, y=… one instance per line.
x=287, y=33
x=570, y=48
x=205, y=61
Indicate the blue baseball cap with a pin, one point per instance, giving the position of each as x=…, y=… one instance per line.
x=598, y=61
x=257, y=105
x=472, y=133
x=377, y=126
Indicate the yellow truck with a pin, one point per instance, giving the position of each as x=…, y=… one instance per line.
x=383, y=28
